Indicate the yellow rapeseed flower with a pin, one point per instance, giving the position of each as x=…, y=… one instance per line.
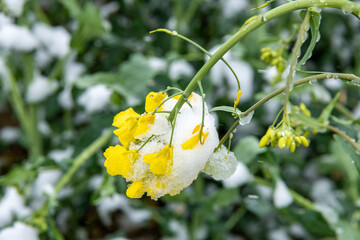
x=153, y=100
x=144, y=123
x=119, y=160
x=160, y=162
x=193, y=141
x=126, y=121
x=135, y=190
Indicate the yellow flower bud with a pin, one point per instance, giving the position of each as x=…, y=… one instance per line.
x=282, y=142
x=288, y=141
x=304, y=141
x=292, y=146
x=263, y=141
x=305, y=110
x=237, y=98
x=297, y=141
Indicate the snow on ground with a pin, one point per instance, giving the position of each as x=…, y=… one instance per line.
x=95, y=98
x=19, y=231
x=282, y=197
x=12, y=206
x=241, y=175
x=39, y=89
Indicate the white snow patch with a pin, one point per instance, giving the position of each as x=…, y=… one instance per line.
x=13, y=37
x=39, y=89
x=222, y=164
x=231, y=8
x=241, y=176
x=356, y=110
x=19, y=231
x=279, y=234
x=60, y=154
x=12, y=206
x=15, y=6
x=9, y=134
x=178, y=229
x=44, y=184
x=65, y=99
x=180, y=68
x=56, y=40
x=333, y=84
x=119, y=202
x=95, y=98
x=282, y=197
x=73, y=70
x=157, y=64
x=109, y=8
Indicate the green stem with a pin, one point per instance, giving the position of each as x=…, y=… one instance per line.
x=343, y=76
x=295, y=55
x=346, y=137
x=81, y=159
x=254, y=23
x=296, y=196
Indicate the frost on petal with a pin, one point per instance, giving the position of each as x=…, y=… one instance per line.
x=13, y=37
x=19, y=231
x=95, y=98
x=39, y=89
x=241, y=176
x=12, y=206
x=221, y=164
x=282, y=197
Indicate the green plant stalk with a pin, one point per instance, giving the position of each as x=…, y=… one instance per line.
x=82, y=157
x=296, y=196
x=294, y=57
x=252, y=24
x=22, y=113
x=35, y=140
x=343, y=76
x=346, y=137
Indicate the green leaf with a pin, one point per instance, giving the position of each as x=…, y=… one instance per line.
x=18, y=176
x=325, y=114
x=258, y=206
x=225, y=109
x=349, y=150
x=224, y=197
x=106, y=189
x=306, y=120
x=90, y=26
x=136, y=74
x=72, y=7
x=108, y=79
x=247, y=149
x=314, y=21
x=346, y=231
x=346, y=122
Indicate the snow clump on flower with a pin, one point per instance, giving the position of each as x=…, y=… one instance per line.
x=155, y=163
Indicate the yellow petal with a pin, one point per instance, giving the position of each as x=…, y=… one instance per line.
x=135, y=190
x=153, y=100
x=263, y=141
x=237, y=98
x=144, y=123
x=193, y=141
x=196, y=128
x=126, y=131
x=123, y=116
x=160, y=162
x=119, y=160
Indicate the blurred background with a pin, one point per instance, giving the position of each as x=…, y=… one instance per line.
x=67, y=67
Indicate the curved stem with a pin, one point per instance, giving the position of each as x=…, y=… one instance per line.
x=252, y=24
x=344, y=76
x=295, y=54
x=346, y=137
x=81, y=159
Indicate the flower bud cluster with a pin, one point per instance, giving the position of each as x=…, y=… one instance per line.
x=274, y=58
x=283, y=137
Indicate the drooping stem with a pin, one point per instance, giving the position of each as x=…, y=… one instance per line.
x=295, y=55
x=252, y=24
x=81, y=159
x=343, y=76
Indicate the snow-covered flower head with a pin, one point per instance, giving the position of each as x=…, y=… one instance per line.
x=157, y=158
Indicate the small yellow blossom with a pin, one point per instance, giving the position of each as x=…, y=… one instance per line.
x=305, y=110
x=144, y=123
x=237, y=98
x=135, y=190
x=126, y=121
x=193, y=141
x=153, y=100
x=119, y=160
x=160, y=162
